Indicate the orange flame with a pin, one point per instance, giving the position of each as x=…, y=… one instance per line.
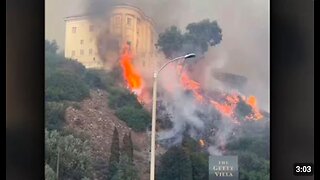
x=190, y=84
x=256, y=115
x=131, y=75
x=231, y=101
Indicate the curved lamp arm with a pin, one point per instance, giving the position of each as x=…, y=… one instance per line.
x=191, y=55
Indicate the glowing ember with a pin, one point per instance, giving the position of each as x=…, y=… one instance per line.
x=190, y=84
x=130, y=74
x=256, y=115
x=202, y=143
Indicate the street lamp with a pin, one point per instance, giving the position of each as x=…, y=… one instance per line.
x=154, y=106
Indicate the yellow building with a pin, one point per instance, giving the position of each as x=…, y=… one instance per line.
x=125, y=23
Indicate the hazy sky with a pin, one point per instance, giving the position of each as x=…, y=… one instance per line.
x=55, y=12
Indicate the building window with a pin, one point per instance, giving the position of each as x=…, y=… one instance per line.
x=91, y=28
x=117, y=21
x=94, y=59
x=73, y=53
x=81, y=41
x=81, y=52
x=74, y=29
x=129, y=21
x=90, y=51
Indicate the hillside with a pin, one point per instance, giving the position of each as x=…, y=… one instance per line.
x=94, y=118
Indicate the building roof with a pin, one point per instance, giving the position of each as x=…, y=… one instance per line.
x=86, y=16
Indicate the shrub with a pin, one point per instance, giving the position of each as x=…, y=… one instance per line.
x=54, y=115
x=136, y=118
x=65, y=86
x=93, y=79
x=74, y=155
x=121, y=97
x=49, y=173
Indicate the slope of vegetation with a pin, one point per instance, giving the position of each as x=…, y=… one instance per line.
x=66, y=83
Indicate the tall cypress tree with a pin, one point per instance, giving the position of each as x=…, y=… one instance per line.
x=115, y=154
x=128, y=146
x=175, y=164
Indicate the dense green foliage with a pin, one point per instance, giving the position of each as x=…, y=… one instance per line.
x=74, y=155
x=65, y=86
x=187, y=156
x=122, y=97
x=127, y=148
x=126, y=170
x=115, y=154
x=252, y=149
x=49, y=173
x=128, y=109
x=136, y=118
x=197, y=38
x=54, y=118
x=175, y=165
x=200, y=165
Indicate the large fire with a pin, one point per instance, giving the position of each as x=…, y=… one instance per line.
x=131, y=75
x=133, y=79
x=226, y=108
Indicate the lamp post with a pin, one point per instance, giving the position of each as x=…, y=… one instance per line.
x=154, y=107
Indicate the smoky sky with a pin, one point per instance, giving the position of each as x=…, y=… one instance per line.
x=244, y=48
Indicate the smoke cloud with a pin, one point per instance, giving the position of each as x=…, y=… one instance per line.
x=244, y=50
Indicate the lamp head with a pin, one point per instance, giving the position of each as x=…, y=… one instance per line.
x=191, y=55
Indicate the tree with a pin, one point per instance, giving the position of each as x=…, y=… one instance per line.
x=65, y=86
x=197, y=38
x=253, y=167
x=200, y=169
x=127, y=148
x=175, y=164
x=115, y=154
x=136, y=118
x=51, y=47
x=49, y=173
x=170, y=41
x=74, y=155
x=126, y=170
x=204, y=34
x=54, y=115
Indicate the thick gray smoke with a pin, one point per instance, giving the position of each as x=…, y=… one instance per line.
x=244, y=50
x=163, y=12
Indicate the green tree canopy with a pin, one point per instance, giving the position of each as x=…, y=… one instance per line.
x=74, y=155
x=175, y=164
x=126, y=170
x=197, y=38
